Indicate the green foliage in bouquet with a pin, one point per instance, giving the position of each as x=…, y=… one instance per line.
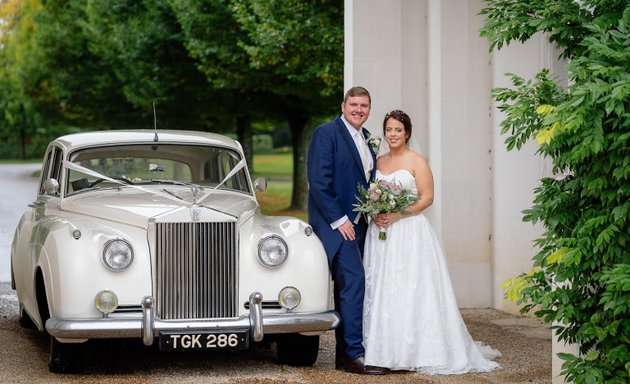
x=581, y=276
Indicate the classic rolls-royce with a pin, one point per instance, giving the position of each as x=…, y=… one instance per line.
x=158, y=236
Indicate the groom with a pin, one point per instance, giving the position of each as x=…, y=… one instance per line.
x=339, y=159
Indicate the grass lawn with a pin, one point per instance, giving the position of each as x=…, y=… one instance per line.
x=278, y=170
x=273, y=166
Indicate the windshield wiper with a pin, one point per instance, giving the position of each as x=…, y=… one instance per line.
x=172, y=182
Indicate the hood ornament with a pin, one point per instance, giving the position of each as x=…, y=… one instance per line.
x=194, y=210
x=194, y=191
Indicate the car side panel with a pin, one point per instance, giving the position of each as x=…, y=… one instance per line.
x=22, y=263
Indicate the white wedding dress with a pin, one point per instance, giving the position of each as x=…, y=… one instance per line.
x=410, y=316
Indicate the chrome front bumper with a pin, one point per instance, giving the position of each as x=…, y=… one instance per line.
x=149, y=327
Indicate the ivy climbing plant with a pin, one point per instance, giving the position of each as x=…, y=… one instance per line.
x=580, y=280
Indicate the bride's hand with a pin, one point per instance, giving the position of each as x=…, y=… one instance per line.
x=385, y=219
x=379, y=220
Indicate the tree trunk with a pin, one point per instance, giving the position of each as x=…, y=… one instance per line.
x=22, y=145
x=300, y=137
x=244, y=135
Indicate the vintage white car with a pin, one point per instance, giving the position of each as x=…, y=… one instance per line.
x=157, y=235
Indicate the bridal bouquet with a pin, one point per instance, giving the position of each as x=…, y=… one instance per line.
x=382, y=197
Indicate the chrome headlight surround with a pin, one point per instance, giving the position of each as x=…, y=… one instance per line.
x=117, y=255
x=272, y=251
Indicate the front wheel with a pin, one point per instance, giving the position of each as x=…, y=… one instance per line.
x=65, y=357
x=24, y=319
x=297, y=350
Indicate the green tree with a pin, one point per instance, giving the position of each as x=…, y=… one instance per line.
x=101, y=64
x=299, y=43
x=142, y=42
x=581, y=275
x=211, y=35
x=277, y=59
x=55, y=81
x=18, y=117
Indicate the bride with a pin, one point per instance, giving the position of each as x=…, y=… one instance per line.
x=410, y=317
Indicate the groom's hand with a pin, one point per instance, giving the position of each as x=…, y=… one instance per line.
x=347, y=230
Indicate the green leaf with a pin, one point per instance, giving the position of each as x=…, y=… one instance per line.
x=592, y=355
x=566, y=356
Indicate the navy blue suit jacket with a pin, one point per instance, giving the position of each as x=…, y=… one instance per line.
x=334, y=171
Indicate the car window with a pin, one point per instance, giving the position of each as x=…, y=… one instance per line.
x=55, y=169
x=45, y=170
x=155, y=164
x=226, y=161
x=51, y=168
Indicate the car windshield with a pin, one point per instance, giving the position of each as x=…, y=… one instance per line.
x=161, y=164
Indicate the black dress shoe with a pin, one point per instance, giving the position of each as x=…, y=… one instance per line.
x=358, y=366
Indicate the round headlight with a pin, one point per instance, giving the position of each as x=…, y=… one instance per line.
x=272, y=251
x=289, y=297
x=106, y=301
x=117, y=255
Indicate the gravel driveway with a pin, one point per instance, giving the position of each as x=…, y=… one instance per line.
x=524, y=342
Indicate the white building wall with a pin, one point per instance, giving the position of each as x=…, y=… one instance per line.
x=390, y=63
x=426, y=57
x=464, y=126
x=516, y=173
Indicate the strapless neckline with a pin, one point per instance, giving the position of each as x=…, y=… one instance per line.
x=402, y=177
x=394, y=172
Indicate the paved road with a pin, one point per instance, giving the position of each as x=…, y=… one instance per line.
x=524, y=342
x=19, y=188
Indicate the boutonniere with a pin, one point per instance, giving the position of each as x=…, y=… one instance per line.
x=374, y=143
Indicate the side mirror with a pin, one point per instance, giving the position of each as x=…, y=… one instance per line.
x=260, y=184
x=51, y=187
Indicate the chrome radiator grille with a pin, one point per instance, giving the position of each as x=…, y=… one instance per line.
x=197, y=266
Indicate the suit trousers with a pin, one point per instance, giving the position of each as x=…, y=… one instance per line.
x=349, y=289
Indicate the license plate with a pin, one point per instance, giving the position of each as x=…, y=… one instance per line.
x=177, y=341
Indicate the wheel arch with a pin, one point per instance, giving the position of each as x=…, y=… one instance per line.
x=42, y=300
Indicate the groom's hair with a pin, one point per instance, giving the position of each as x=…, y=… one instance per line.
x=357, y=91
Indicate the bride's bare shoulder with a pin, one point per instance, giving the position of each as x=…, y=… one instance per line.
x=417, y=157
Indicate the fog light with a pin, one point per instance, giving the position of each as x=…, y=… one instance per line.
x=106, y=301
x=289, y=297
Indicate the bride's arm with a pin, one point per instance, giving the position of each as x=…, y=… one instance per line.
x=424, y=183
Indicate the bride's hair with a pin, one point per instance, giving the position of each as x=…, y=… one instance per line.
x=403, y=118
